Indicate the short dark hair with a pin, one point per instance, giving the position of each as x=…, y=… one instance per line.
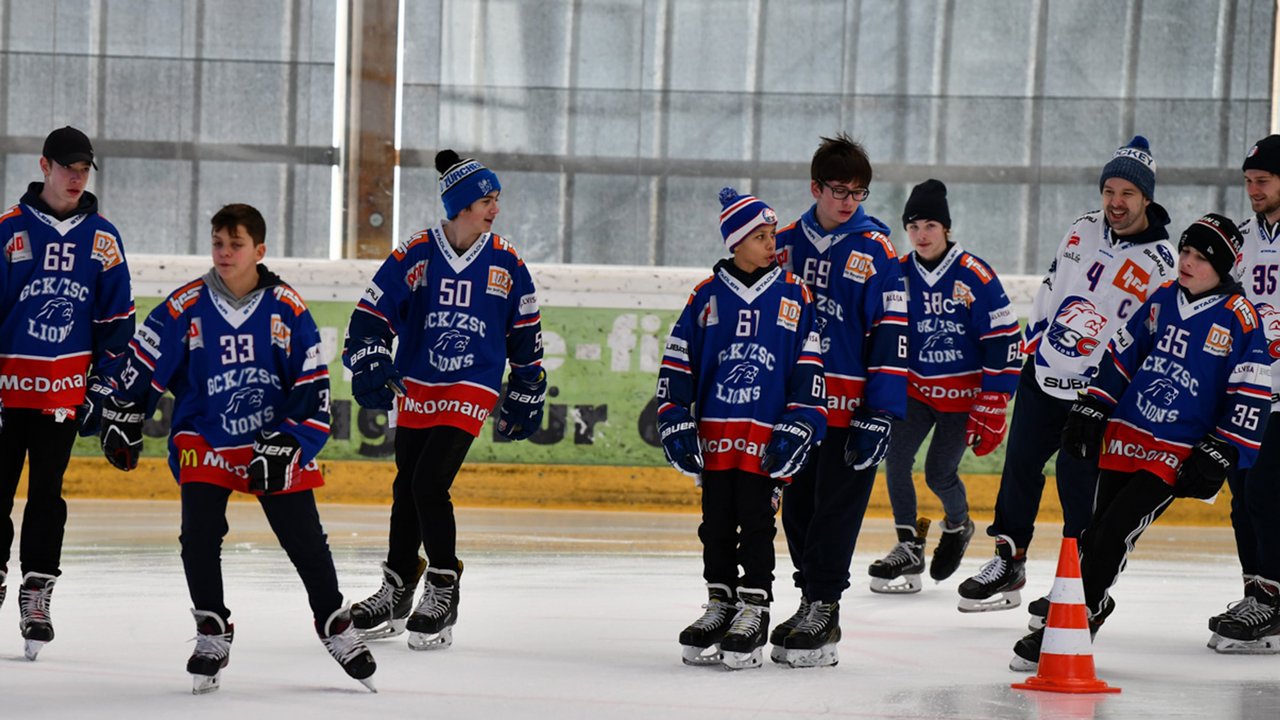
x=840, y=159
x=240, y=214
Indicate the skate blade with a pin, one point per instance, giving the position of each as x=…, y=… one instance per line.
x=1035, y=622
x=901, y=585
x=389, y=629
x=699, y=657
x=1007, y=600
x=743, y=661
x=1226, y=646
x=205, y=684
x=778, y=654
x=368, y=682
x=431, y=641
x=825, y=656
x=32, y=649
x=1021, y=664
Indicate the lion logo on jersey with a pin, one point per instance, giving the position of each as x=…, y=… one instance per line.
x=742, y=374
x=244, y=399
x=56, y=310
x=452, y=342
x=939, y=341
x=1269, y=318
x=1075, y=330
x=53, y=321
x=1162, y=391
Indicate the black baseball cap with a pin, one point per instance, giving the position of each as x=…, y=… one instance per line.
x=67, y=146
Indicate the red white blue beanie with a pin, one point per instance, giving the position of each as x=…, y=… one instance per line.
x=1134, y=163
x=740, y=215
x=463, y=182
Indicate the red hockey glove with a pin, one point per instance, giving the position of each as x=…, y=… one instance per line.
x=987, y=425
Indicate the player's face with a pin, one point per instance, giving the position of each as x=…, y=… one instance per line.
x=756, y=251
x=928, y=237
x=1125, y=206
x=478, y=217
x=1263, y=189
x=235, y=257
x=1194, y=271
x=64, y=184
x=835, y=211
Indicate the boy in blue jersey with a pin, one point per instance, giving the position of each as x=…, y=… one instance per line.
x=240, y=353
x=1179, y=402
x=67, y=312
x=741, y=404
x=845, y=257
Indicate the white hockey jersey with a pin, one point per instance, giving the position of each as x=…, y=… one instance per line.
x=1258, y=271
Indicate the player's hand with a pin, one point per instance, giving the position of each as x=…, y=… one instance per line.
x=121, y=433
x=788, y=448
x=985, y=429
x=520, y=414
x=375, y=382
x=679, y=435
x=1203, y=473
x=274, y=466
x=868, y=440
x=90, y=413
x=1085, y=425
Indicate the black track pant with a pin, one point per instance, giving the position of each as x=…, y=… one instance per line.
x=1255, y=508
x=1127, y=504
x=427, y=461
x=30, y=434
x=738, y=529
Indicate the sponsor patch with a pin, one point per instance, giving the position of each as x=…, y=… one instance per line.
x=373, y=293
x=528, y=304
x=860, y=267
x=974, y=265
x=1133, y=280
x=280, y=333
x=149, y=339
x=499, y=281
x=789, y=314
x=195, y=334
x=962, y=293
x=895, y=301
x=106, y=250
x=18, y=248
x=709, y=316
x=1218, y=342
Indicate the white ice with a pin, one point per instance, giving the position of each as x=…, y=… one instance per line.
x=575, y=615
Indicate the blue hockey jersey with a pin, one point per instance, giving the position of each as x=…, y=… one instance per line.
x=737, y=359
x=64, y=288
x=234, y=367
x=964, y=336
x=459, y=319
x=1178, y=370
x=857, y=282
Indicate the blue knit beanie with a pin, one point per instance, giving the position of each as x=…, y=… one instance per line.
x=740, y=215
x=1134, y=163
x=463, y=182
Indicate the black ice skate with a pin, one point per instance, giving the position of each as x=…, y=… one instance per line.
x=1038, y=610
x=1026, y=652
x=742, y=643
x=384, y=614
x=779, y=635
x=996, y=585
x=700, y=642
x=813, y=642
x=898, y=573
x=212, y=653
x=1250, y=626
x=33, y=604
x=950, y=550
x=347, y=647
x=3, y=575
x=431, y=624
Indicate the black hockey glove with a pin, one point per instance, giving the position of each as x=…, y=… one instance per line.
x=788, y=448
x=679, y=435
x=868, y=440
x=1203, y=473
x=90, y=413
x=275, y=462
x=520, y=414
x=375, y=382
x=1082, y=432
x=121, y=433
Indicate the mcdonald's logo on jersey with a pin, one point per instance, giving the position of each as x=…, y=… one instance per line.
x=189, y=458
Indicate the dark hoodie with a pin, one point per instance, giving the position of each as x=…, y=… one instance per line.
x=860, y=223
x=1157, y=220
x=742, y=276
x=88, y=204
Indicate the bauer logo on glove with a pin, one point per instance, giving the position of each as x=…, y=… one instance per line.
x=520, y=414
x=120, y=433
x=985, y=429
x=274, y=466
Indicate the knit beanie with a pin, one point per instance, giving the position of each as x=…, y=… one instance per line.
x=742, y=214
x=1264, y=155
x=463, y=182
x=1218, y=239
x=1134, y=163
x=928, y=201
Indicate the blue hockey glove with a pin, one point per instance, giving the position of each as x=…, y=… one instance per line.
x=1203, y=473
x=868, y=440
x=90, y=413
x=121, y=433
x=679, y=435
x=788, y=448
x=375, y=382
x=520, y=415
x=274, y=465
x=1085, y=425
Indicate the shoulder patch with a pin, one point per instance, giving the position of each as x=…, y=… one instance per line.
x=501, y=243
x=1244, y=311
x=403, y=248
x=290, y=297
x=977, y=267
x=106, y=250
x=184, y=297
x=14, y=211
x=889, y=249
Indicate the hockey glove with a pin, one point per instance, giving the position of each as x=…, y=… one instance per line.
x=1203, y=473
x=868, y=440
x=121, y=433
x=375, y=382
x=275, y=462
x=986, y=426
x=679, y=435
x=520, y=415
x=90, y=413
x=788, y=448
x=1085, y=425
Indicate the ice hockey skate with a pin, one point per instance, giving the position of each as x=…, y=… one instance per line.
x=347, y=647
x=813, y=643
x=700, y=642
x=3, y=587
x=778, y=637
x=1038, y=610
x=898, y=573
x=950, y=550
x=384, y=614
x=431, y=624
x=741, y=645
x=996, y=585
x=1250, y=626
x=1026, y=652
x=33, y=604
x=212, y=653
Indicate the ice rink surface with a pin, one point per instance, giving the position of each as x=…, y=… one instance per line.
x=575, y=615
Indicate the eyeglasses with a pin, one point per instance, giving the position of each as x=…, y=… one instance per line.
x=840, y=192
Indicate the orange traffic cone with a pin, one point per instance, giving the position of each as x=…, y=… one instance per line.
x=1066, y=655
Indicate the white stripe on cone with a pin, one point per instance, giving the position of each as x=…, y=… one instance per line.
x=1066, y=641
x=1067, y=591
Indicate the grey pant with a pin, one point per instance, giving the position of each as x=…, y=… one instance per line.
x=940, y=464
